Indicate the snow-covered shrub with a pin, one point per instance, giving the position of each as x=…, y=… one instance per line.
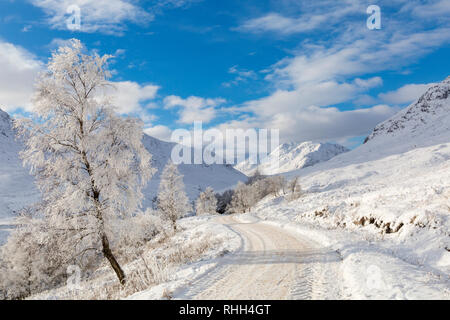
x=269, y=186
x=132, y=233
x=294, y=189
x=173, y=202
x=37, y=254
x=245, y=196
x=206, y=202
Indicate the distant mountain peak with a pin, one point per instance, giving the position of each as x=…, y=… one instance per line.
x=292, y=156
x=426, y=115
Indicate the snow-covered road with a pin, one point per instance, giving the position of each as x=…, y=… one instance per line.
x=272, y=264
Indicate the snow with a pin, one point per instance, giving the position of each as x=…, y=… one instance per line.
x=409, y=188
x=193, y=232
x=385, y=205
x=370, y=267
x=292, y=156
x=184, y=275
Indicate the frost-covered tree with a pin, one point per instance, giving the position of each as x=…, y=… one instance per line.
x=36, y=257
x=269, y=186
x=173, y=202
x=206, y=202
x=294, y=189
x=244, y=197
x=89, y=163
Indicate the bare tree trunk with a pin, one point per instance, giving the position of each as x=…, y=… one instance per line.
x=112, y=260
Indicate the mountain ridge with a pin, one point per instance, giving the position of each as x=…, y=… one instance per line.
x=431, y=109
x=293, y=156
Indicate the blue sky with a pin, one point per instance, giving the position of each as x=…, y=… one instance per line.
x=309, y=68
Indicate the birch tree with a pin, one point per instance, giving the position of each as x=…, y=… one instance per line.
x=89, y=163
x=244, y=197
x=206, y=202
x=173, y=202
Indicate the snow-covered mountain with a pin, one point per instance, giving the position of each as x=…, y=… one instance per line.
x=196, y=176
x=428, y=117
x=292, y=156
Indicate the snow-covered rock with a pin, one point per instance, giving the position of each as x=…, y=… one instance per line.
x=292, y=156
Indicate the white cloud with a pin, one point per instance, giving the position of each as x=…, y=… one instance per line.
x=431, y=10
x=194, y=108
x=364, y=100
x=318, y=124
x=316, y=77
x=160, y=132
x=19, y=69
x=293, y=101
x=274, y=22
x=58, y=42
x=106, y=16
x=305, y=114
x=313, y=15
x=130, y=97
x=368, y=83
x=406, y=94
x=119, y=53
x=241, y=75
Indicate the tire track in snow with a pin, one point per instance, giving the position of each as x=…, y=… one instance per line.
x=272, y=264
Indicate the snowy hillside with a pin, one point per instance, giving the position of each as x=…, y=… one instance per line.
x=197, y=177
x=16, y=185
x=428, y=118
x=293, y=156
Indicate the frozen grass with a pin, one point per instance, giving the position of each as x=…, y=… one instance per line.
x=161, y=259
